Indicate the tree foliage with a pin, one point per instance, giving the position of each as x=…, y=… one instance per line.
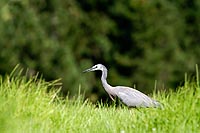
x=139, y=41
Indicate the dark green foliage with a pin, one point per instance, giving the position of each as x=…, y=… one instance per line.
x=139, y=41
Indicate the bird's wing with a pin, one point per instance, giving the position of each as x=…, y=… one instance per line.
x=133, y=97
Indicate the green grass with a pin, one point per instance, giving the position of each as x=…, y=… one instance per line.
x=25, y=106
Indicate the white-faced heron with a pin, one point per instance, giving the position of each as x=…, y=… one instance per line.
x=129, y=96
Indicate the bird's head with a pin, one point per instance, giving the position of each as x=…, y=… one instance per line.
x=95, y=67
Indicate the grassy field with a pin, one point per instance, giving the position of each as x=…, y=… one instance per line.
x=26, y=107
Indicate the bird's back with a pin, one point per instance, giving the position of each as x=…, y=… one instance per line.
x=134, y=98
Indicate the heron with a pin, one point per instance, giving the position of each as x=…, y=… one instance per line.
x=129, y=96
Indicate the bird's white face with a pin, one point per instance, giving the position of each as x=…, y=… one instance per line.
x=94, y=68
x=97, y=67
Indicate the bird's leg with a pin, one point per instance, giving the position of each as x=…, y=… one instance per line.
x=111, y=97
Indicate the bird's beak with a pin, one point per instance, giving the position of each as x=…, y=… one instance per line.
x=88, y=70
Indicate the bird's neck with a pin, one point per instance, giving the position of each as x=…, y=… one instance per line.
x=106, y=86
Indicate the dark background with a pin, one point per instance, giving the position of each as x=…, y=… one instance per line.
x=141, y=42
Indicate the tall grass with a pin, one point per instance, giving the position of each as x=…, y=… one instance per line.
x=27, y=106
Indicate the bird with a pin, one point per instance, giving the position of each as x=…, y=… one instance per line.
x=129, y=96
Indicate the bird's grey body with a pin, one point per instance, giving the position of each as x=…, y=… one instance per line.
x=129, y=96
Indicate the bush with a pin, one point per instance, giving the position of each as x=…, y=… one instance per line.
x=139, y=41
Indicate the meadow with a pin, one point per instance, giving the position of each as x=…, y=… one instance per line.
x=32, y=105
